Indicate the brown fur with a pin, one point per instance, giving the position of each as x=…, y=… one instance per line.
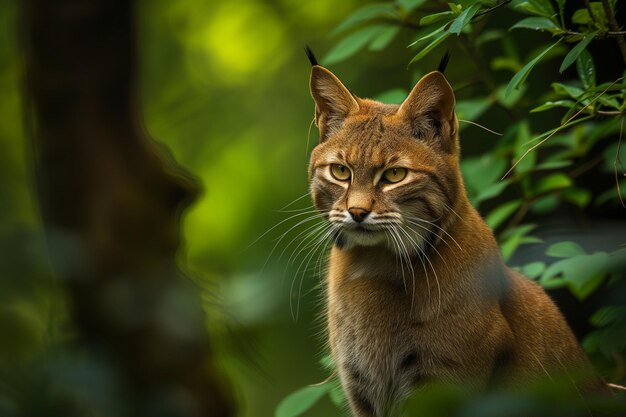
x=445, y=309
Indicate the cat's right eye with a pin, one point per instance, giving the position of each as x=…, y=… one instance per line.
x=340, y=172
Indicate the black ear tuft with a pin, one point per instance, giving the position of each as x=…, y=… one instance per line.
x=310, y=55
x=444, y=62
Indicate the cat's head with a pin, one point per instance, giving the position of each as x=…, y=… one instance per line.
x=385, y=174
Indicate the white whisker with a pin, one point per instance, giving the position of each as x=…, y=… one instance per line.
x=294, y=201
x=317, y=244
x=308, y=219
x=278, y=224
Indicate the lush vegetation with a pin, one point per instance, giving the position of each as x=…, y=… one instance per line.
x=224, y=85
x=532, y=169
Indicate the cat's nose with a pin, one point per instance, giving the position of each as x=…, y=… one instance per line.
x=358, y=214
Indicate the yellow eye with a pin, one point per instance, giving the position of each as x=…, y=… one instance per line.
x=340, y=172
x=394, y=174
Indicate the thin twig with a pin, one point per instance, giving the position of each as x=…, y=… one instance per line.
x=600, y=35
x=559, y=128
x=581, y=169
x=519, y=214
x=618, y=163
x=590, y=11
x=615, y=386
x=615, y=27
x=609, y=112
x=491, y=9
x=481, y=126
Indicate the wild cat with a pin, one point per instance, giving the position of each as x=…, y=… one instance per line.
x=417, y=290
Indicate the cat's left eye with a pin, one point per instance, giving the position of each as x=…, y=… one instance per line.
x=340, y=172
x=393, y=175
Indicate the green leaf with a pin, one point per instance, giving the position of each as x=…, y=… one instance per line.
x=421, y=54
x=505, y=63
x=539, y=7
x=352, y=43
x=607, y=341
x=512, y=238
x=509, y=246
x=497, y=216
x=488, y=36
x=336, y=394
x=298, y=402
x=553, y=165
x=464, y=18
x=608, y=315
x=552, y=104
x=581, y=17
x=393, y=96
x=435, y=17
x=617, y=261
x=526, y=163
x=576, y=50
x=545, y=205
x=533, y=269
x=410, y=5
x=564, y=89
x=455, y=8
x=586, y=69
x=511, y=241
x=553, y=283
x=432, y=34
x=609, y=86
x=364, y=14
x=384, y=38
x=472, y=109
x=599, y=18
x=577, y=196
x=511, y=100
x=481, y=172
x=492, y=191
x=565, y=250
x=535, y=23
x=326, y=362
x=521, y=76
x=521, y=230
x=611, y=101
x=582, y=273
x=552, y=182
x=531, y=239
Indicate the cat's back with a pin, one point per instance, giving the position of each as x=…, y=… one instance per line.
x=544, y=342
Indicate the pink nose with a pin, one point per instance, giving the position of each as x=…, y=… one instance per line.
x=358, y=214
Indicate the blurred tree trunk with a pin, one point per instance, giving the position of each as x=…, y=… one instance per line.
x=111, y=202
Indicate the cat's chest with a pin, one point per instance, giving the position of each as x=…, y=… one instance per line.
x=381, y=332
x=375, y=328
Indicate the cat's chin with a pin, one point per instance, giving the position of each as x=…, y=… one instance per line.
x=363, y=238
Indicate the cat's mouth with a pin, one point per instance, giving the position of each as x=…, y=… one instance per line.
x=363, y=235
x=362, y=228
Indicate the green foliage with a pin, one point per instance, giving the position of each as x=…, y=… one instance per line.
x=576, y=50
x=522, y=74
x=530, y=172
x=301, y=400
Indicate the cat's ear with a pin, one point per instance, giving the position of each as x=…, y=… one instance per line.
x=430, y=105
x=333, y=101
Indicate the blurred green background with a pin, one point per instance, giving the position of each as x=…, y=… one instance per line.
x=225, y=86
